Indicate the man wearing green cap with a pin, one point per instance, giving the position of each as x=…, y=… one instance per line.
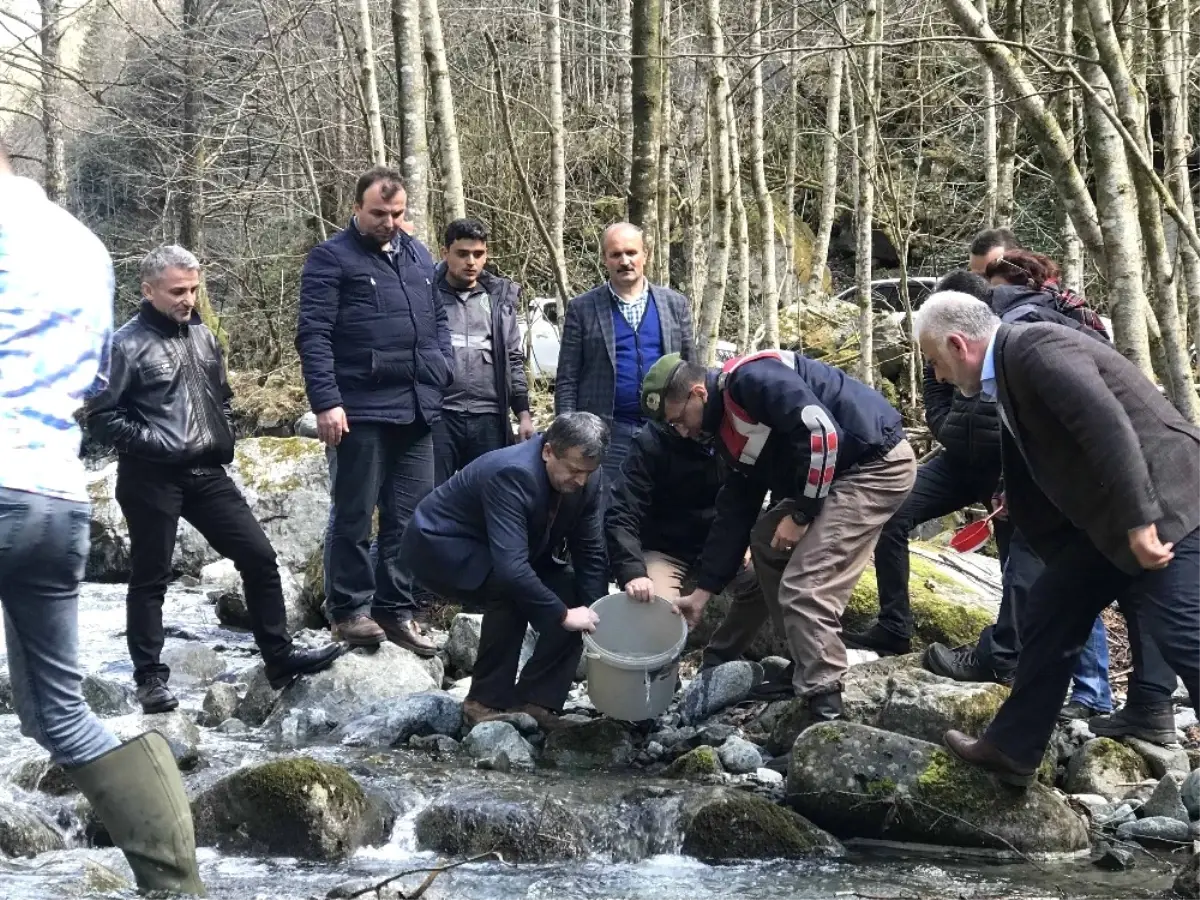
x=834, y=457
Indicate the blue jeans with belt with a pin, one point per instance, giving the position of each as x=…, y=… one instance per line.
x=43, y=551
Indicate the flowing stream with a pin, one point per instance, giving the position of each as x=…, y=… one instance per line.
x=638, y=860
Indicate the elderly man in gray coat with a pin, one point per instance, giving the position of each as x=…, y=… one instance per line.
x=612, y=335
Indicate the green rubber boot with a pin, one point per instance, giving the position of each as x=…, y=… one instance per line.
x=138, y=794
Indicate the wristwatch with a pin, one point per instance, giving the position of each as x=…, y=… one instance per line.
x=801, y=518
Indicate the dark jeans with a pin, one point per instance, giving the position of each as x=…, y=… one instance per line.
x=153, y=499
x=384, y=467
x=461, y=438
x=1064, y=603
x=43, y=550
x=621, y=435
x=547, y=676
x=999, y=645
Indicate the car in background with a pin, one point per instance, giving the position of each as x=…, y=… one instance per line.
x=885, y=293
x=541, y=336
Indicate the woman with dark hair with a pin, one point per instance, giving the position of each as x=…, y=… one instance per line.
x=1023, y=268
x=1030, y=281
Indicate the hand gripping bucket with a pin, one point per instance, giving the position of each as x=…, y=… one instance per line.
x=633, y=657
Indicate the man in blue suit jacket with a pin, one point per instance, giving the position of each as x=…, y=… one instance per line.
x=486, y=537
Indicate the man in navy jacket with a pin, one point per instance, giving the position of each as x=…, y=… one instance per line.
x=834, y=456
x=486, y=536
x=376, y=356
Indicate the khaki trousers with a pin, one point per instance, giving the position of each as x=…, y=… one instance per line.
x=807, y=589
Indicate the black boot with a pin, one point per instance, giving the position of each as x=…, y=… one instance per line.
x=959, y=663
x=825, y=707
x=294, y=662
x=155, y=696
x=1153, y=722
x=879, y=639
x=777, y=687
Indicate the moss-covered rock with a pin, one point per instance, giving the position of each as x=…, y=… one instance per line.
x=1105, y=767
x=267, y=404
x=597, y=744
x=515, y=821
x=25, y=831
x=880, y=785
x=725, y=825
x=291, y=807
x=695, y=764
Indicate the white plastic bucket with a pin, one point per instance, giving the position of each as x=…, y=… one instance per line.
x=633, y=657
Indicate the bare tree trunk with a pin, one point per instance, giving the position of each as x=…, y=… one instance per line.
x=1068, y=113
x=829, y=156
x=718, y=259
x=1127, y=94
x=647, y=119
x=191, y=194
x=625, y=89
x=410, y=111
x=695, y=163
x=54, y=177
x=1006, y=151
x=741, y=235
x=558, y=153
x=766, y=207
x=1117, y=206
x=865, y=214
x=790, y=288
x=991, y=162
x=661, y=264
x=454, y=201
x=364, y=49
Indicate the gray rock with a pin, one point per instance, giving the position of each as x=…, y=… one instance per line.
x=289, y=807
x=6, y=697
x=773, y=665
x=1140, y=793
x=1155, y=831
x=226, y=590
x=193, y=663
x=716, y=733
x=437, y=744
x=462, y=644
x=1165, y=802
x=349, y=689
x=1187, y=881
x=1103, y=767
x=724, y=825
x=1115, y=859
x=233, y=727
x=306, y=425
x=220, y=703
x=717, y=688
x=106, y=697
x=298, y=727
x=857, y=781
x=768, y=777
x=596, y=744
x=25, y=831
x=489, y=742
x=42, y=775
x=181, y=733
x=1185, y=718
x=1189, y=793
x=392, y=723
x=739, y=756
x=520, y=823
x=1162, y=760
x=1116, y=815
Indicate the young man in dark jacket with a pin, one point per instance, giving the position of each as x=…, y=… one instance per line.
x=166, y=411
x=376, y=356
x=489, y=362
x=1102, y=475
x=487, y=537
x=835, y=459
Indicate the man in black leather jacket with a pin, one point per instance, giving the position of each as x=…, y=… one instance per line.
x=166, y=410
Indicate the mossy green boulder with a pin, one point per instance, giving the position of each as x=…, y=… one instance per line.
x=725, y=826
x=290, y=807
x=695, y=764
x=861, y=782
x=1105, y=767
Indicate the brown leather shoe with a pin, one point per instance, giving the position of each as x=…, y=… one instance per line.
x=475, y=712
x=978, y=752
x=359, y=631
x=406, y=633
x=548, y=720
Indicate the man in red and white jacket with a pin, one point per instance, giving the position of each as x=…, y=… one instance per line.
x=833, y=454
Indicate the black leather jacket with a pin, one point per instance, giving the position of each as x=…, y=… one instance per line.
x=967, y=427
x=167, y=400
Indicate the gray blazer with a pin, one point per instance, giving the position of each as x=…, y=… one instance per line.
x=1097, y=448
x=586, y=378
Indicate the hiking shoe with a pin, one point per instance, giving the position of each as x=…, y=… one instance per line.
x=1077, y=712
x=1152, y=722
x=879, y=639
x=406, y=633
x=548, y=720
x=475, y=713
x=155, y=696
x=826, y=707
x=359, y=631
x=283, y=669
x=959, y=663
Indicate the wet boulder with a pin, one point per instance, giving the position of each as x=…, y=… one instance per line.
x=219, y=705
x=517, y=822
x=351, y=688
x=25, y=831
x=696, y=765
x=223, y=586
x=1105, y=767
x=716, y=688
x=498, y=746
x=290, y=807
x=724, y=826
x=392, y=723
x=858, y=781
x=1187, y=880
x=1166, y=802
x=106, y=697
x=180, y=732
x=193, y=663
x=596, y=744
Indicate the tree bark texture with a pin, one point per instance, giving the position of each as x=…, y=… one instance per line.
x=365, y=51
x=411, y=110
x=991, y=162
x=661, y=263
x=625, y=90
x=558, y=154
x=1006, y=145
x=646, y=119
x=865, y=213
x=722, y=189
x=741, y=233
x=762, y=194
x=453, y=200
x=829, y=157
x=1069, y=114
x=191, y=195
x=54, y=177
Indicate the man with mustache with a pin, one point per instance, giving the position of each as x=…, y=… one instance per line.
x=612, y=335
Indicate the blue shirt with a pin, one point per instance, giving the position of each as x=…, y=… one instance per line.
x=987, y=375
x=55, y=326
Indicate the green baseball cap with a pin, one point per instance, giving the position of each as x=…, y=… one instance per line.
x=654, y=385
